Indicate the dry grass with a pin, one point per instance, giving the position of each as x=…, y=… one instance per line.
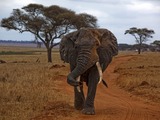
x=27, y=86
x=141, y=75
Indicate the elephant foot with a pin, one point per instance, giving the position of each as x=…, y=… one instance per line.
x=78, y=105
x=88, y=111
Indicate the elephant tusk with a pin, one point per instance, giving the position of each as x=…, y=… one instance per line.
x=99, y=71
x=78, y=87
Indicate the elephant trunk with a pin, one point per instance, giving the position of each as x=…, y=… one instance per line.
x=100, y=76
x=86, y=59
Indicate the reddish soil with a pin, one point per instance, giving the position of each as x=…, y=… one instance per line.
x=111, y=103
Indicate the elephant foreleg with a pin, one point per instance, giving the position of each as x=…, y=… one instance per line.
x=93, y=79
x=79, y=97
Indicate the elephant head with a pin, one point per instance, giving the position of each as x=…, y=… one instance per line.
x=81, y=50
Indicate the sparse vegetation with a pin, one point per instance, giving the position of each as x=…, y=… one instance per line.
x=141, y=35
x=141, y=75
x=27, y=88
x=16, y=53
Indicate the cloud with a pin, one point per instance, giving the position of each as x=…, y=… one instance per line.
x=108, y=2
x=143, y=7
x=8, y=5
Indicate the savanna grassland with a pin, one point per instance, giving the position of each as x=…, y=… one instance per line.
x=29, y=85
x=141, y=75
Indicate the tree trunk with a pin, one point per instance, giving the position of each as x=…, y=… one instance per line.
x=140, y=45
x=49, y=54
x=139, y=50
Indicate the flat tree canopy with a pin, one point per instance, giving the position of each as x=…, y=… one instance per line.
x=47, y=23
x=141, y=35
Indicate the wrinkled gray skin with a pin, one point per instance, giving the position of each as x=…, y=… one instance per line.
x=82, y=49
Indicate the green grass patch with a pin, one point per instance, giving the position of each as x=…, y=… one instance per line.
x=17, y=53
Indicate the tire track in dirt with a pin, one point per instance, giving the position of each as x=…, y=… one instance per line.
x=122, y=103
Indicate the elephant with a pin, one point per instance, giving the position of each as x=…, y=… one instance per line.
x=84, y=49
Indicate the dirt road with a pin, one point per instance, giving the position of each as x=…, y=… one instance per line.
x=112, y=103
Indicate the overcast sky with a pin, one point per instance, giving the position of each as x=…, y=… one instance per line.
x=115, y=15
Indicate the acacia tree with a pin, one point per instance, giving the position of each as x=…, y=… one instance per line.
x=47, y=23
x=156, y=42
x=85, y=20
x=141, y=35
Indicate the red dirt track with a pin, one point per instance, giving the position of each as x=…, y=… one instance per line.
x=111, y=103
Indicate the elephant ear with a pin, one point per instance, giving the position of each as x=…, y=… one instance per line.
x=96, y=35
x=67, y=46
x=108, y=41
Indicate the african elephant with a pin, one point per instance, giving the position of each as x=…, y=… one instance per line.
x=83, y=49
